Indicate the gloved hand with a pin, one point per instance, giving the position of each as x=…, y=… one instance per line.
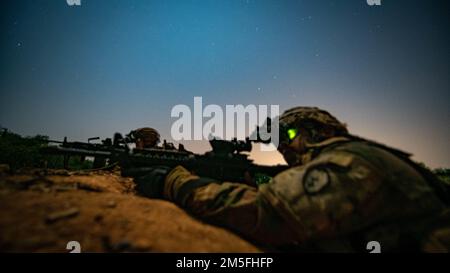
x=152, y=184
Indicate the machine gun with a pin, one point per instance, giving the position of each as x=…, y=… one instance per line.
x=225, y=162
x=101, y=152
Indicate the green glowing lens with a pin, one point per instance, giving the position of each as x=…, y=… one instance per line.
x=292, y=133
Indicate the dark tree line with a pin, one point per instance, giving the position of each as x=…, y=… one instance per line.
x=23, y=152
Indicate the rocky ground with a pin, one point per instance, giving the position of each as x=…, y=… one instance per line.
x=41, y=211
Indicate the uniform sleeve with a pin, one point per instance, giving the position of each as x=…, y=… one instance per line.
x=233, y=205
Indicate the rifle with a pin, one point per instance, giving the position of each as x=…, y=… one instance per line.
x=225, y=162
x=101, y=152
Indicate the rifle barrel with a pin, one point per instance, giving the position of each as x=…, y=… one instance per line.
x=57, y=150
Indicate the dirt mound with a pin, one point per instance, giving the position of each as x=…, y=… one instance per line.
x=42, y=211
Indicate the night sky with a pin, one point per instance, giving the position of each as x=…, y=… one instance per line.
x=115, y=65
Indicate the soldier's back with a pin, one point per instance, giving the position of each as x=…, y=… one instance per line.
x=353, y=192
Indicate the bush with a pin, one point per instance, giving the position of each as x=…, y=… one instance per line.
x=443, y=174
x=19, y=152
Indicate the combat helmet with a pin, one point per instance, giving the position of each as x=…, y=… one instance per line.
x=313, y=119
x=145, y=137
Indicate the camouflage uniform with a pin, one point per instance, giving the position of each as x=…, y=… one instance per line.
x=347, y=192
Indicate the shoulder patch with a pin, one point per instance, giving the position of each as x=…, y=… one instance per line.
x=316, y=180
